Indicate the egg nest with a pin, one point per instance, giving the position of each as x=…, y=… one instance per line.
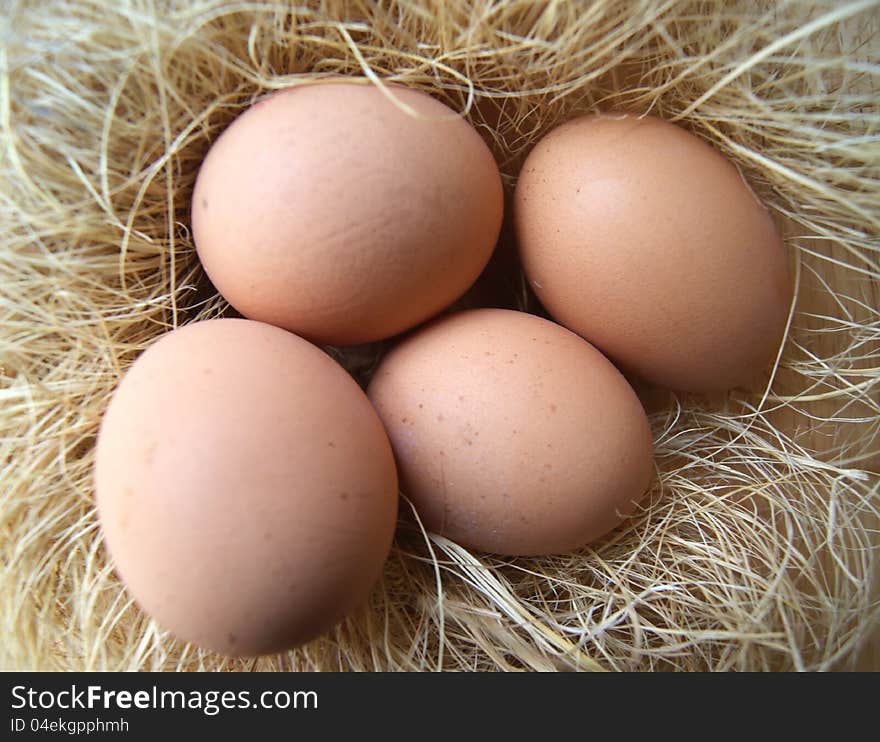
x=757, y=546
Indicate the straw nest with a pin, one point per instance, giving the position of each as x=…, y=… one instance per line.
x=757, y=547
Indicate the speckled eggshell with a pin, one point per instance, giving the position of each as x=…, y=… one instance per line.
x=512, y=435
x=245, y=487
x=647, y=242
x=336, y=213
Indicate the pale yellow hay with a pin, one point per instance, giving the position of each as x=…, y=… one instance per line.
x=758, y=546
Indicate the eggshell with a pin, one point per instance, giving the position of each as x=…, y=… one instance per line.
x=512, y=435
x=245, y=487
x=344, y=216
x=646, y=241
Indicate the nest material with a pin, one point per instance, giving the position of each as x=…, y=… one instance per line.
x=757, y=548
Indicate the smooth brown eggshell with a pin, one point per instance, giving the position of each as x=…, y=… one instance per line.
x=512, y=435
x=245, y=487
x=328, y=210
x=647, y=242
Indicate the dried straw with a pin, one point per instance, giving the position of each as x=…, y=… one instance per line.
x=758, y=547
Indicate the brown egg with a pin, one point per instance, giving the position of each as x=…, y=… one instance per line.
x=512, y=435
x=245, y=487
x=647, y=242
x=333, y=212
